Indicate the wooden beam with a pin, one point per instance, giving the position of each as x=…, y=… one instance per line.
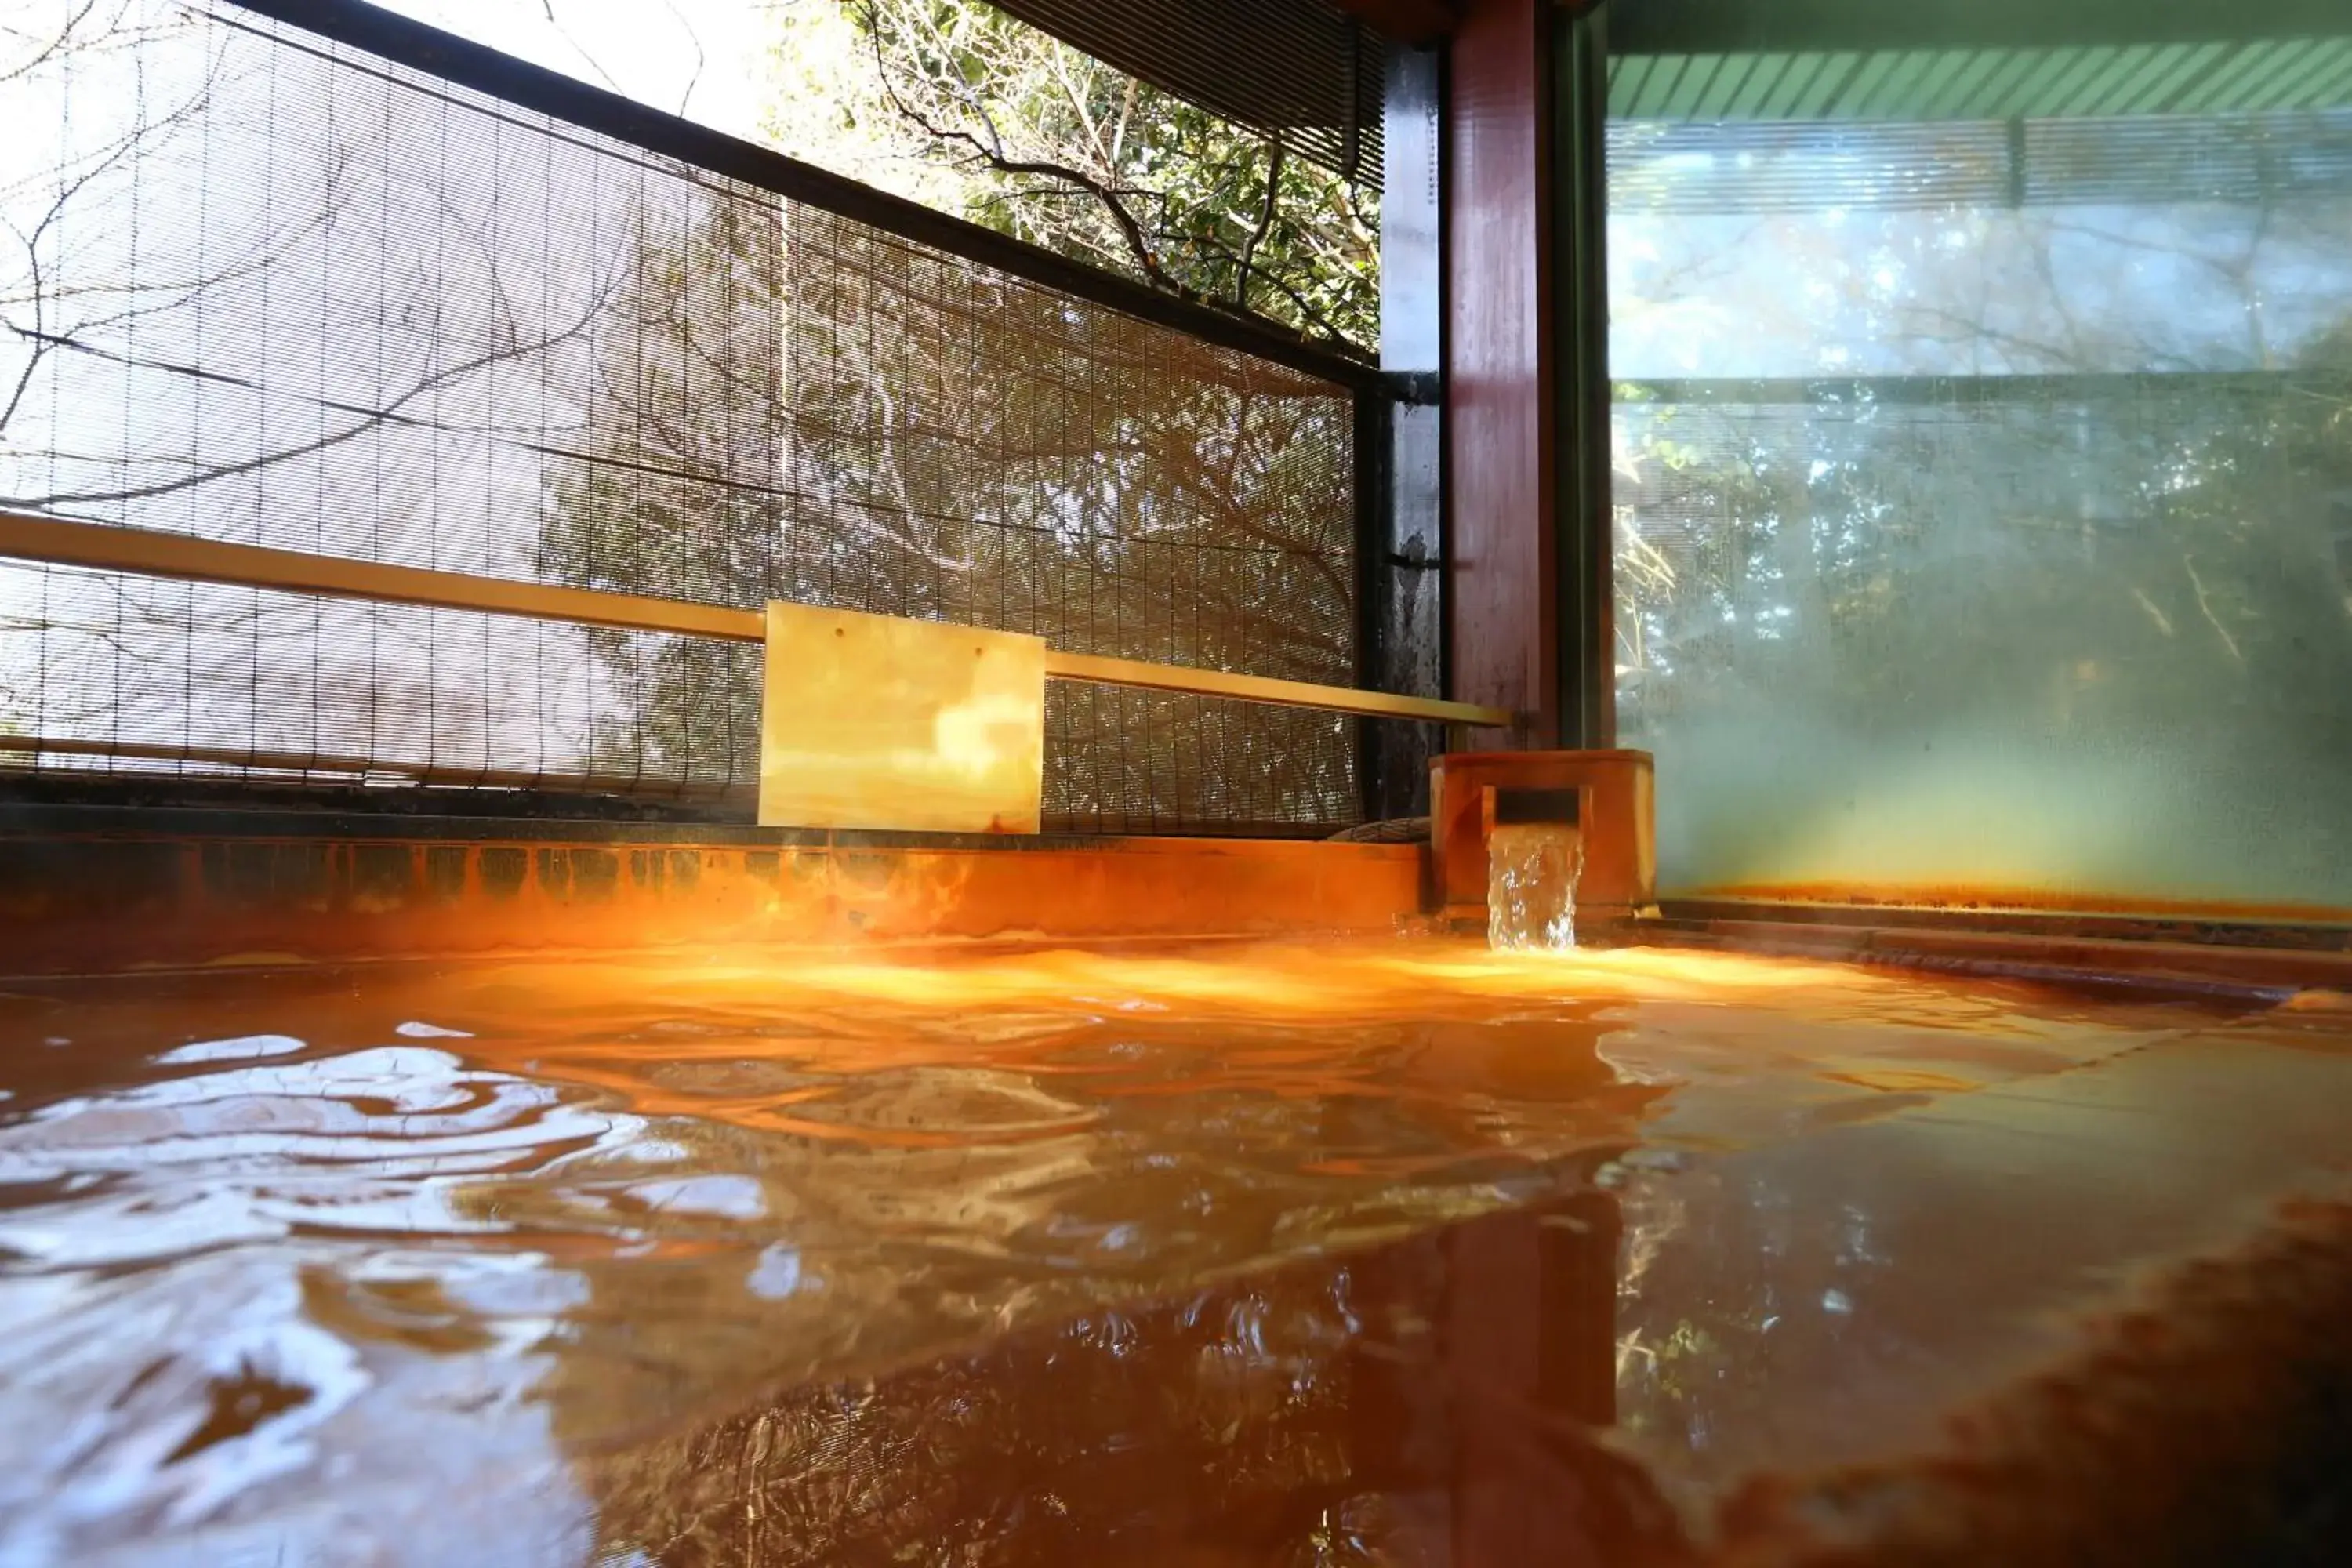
x=1406, y=21
x=324, y=768
x=1264, y=688
x=152, y=553
x=1746, y=27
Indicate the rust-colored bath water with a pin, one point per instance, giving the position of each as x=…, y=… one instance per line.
x=1393, y=1253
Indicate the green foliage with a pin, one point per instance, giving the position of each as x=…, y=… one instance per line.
x=1056, y=148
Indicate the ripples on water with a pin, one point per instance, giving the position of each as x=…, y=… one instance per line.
x=537, y=1263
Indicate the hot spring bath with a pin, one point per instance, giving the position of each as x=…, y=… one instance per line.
x=1394, y=1251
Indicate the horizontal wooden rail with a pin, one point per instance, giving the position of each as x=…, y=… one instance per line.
x=1265, y=688
x=325, y=768
x=152, y=553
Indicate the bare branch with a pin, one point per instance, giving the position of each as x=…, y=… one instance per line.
x=389, y=413
x=702, y=56
x=592, y=63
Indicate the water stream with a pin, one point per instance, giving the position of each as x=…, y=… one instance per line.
x=1532, y=870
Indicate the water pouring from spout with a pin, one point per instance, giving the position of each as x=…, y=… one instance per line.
x=1532, y=870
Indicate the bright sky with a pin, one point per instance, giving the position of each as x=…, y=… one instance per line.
x=703, y=57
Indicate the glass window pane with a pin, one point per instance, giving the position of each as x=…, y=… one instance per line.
x=1983, y=438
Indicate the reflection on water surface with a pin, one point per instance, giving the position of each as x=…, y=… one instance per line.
x=1312, y=1255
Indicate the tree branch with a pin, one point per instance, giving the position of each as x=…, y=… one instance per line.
x=1139, y=245
x=1265, y=225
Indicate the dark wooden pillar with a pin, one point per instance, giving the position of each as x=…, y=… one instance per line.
x=1526, y=369
x=1505, y=569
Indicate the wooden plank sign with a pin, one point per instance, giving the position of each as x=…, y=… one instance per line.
x=876, y=721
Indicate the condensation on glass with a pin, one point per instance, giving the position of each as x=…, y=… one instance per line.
x=1983, y=454
x=276, y=292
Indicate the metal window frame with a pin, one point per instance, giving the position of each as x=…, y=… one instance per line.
x=1584, y=506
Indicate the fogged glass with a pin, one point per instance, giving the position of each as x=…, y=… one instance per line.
x=1983, y=451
